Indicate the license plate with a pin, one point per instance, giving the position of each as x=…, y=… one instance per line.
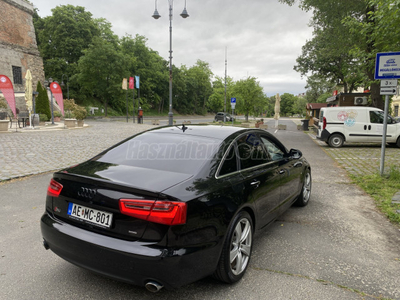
x=90, y=215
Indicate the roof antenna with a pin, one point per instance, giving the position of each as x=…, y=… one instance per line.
x=184, y=127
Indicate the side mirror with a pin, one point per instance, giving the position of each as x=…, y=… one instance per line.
x=295, y=154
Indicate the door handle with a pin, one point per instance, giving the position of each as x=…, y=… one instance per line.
x=365, y=127
x=369, y=127
x=255, y=184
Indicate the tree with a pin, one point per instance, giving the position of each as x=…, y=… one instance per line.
x=356, y=22
x=150, y=67
x=287, y=103
x=198, y=87
x=101, y=70
x=216, y=101
x=249, y=96
x=62, y=37
x=42, y=105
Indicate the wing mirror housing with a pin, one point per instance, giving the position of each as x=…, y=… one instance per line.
x=295, y=154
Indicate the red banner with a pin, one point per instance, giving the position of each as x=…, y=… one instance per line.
x=131, y=81
x=57, y=93
x=7, y=89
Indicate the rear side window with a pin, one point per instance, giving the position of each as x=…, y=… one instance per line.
x=230, y=163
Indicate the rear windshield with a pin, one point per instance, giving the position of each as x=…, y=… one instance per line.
x=167, y=152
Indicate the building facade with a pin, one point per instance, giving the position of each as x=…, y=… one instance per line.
x=18, y=47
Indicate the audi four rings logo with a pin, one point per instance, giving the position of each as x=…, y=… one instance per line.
x=87, y=193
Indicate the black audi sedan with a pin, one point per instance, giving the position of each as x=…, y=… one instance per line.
x=172, y=205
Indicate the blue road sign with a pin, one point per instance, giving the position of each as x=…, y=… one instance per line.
x=233, y=100
x=387, y=65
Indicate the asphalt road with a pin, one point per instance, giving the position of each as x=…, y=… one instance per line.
x=338, y=247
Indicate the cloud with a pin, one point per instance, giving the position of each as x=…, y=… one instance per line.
x=263, y=37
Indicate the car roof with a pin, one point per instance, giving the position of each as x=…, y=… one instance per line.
x=211, y=131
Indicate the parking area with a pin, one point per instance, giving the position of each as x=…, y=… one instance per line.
x=361, y=158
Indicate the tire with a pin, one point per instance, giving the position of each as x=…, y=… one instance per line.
x=336, y=140
x=236, y=252
x=398, y=142
x=305, y=193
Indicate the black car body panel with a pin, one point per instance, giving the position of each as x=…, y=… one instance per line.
x=213, y=187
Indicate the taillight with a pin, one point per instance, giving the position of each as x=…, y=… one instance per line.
x=324, y=123
x=54, y=188
x=163, y=212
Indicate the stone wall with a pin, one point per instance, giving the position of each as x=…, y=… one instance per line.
x=18, y=45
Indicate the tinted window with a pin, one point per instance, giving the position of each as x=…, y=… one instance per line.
x=230, y=163
x=168, y=152
x=378, y=117
x=251, y=151
x=273, y=150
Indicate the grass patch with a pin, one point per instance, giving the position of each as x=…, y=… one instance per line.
x=382, y=189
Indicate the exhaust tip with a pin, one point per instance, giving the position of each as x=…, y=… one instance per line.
x=153, y=286
x=46, y=245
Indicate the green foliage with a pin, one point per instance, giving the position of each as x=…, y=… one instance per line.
x=57, y=114
x=382, y=190
x=43, y=118
x=196, y=88
x=347, y=36
x=73, y=110
x=42, y=104
x=3, y=103
x=250, y=98
x=216, y=101
x=100, y=72
x=61, y=39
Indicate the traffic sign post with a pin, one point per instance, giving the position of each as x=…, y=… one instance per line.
x=387, y=68
x=233, y=104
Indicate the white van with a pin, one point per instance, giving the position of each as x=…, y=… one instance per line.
x=355, y=124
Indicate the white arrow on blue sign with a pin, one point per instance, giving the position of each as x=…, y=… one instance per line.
x=233, y=100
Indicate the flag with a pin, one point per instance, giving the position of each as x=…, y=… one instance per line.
x=6, y=87
x=124, y=84
x=131, y=83
x=137, y=81
x=57, y=93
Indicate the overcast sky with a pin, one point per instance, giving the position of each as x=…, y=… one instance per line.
x=263, y=37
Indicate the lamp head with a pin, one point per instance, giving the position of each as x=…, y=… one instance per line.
x=156, y=15
x=184, y=13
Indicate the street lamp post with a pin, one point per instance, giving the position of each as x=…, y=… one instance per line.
x=156, y=16
x=62, y=84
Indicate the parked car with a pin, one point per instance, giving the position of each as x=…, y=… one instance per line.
x=397, y=119
x=172, y=205
x=220, y=117
x=355, y=124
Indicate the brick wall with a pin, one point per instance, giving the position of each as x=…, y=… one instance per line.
x=18, y=45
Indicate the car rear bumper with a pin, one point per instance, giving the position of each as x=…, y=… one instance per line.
x=324, y=136
x=132, y=262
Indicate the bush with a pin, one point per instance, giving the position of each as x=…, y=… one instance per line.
x=57, y=114
x=42, y=102
x=73, y=110
x=43, y=118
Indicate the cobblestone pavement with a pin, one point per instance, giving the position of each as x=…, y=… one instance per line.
x=25, y=153
x=362, y=158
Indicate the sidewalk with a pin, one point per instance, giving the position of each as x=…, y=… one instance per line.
x=34, y=151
